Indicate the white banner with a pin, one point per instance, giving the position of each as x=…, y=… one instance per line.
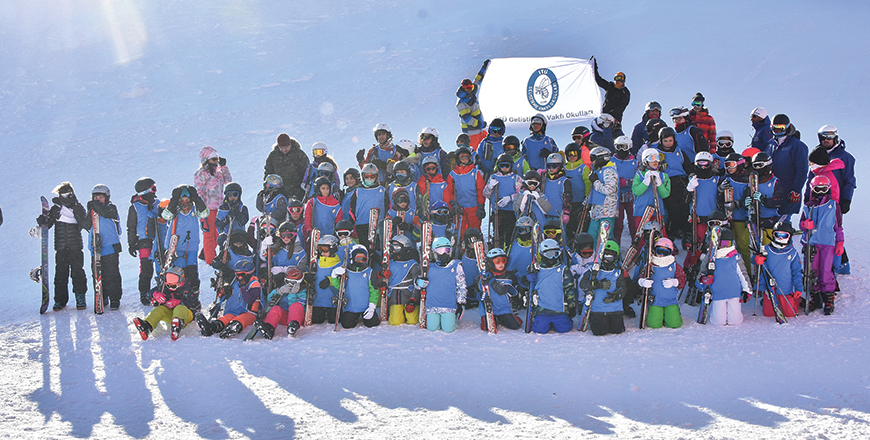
x=562, y=89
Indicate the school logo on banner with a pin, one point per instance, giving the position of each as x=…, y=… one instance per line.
x=543, y=90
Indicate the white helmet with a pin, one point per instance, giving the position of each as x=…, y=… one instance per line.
x=649, y=155
x=605, y=120
x=318, y=146
x=407, y=145
x=703, y=155
x=430, y=130
x=384, y=127
x=725, y=134
x=622, y=140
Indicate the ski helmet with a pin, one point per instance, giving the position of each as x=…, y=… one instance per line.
x=345, y=226
x=463, y=150
x=600, y=156
x=101, y=189
x=273, y=182
x=400, y=247
x=782, y=233
x=287, y=230
x=572, y=149
x=385, y=128
x=407, y=145
x=821, y=185
x=318, y=149
x=649, y=156
x=580, y=132
x=553, y=228
x=829, y=132
x=652, y=105
x=494, y=254
x=430, y=131
x=524, y=227
x=173, y=278
x=239, y=237
x=610, y=255
x=762, y=163
x=145, y=185
x=556, y=160
x=622, y=143
x=402, y=172
x=653, y=225
x=244, y=266
x=326, y=169
x=604, y=121
x=781, y=126
x=717, y=218
x=510, y=140
x=441, y=243
x=652, y=129
x=328, y=243
x=472, y=234
x=294, y=203
x=233, y=187
x=353, y=172
x=430, y=160
x=463, y=140
x=440, y=211
x=550, y=252
x=584, y=244
x=400, y=195
x=663, y=247
x=357, y=250
x=370, y=175
x=531, y=177
x=539, y=119
x=319, y=182
x=496, y=126
x=504, y=161
x=679, y=112
x=736, y=161
x=758, y=112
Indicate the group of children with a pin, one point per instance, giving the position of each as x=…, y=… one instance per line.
x=399, y=241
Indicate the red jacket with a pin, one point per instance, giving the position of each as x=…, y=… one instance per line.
x=450, y=190
x=706, y=123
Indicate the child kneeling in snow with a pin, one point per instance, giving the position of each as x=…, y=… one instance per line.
x=728, y=285
x=781, y=260
x=172, y=300
x=666, y=281
x=607, y=288
x=445, y=288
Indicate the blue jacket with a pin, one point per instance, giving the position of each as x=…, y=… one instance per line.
x=786, y=268
x=762, y=137
x=846, y=176
x=791, y=167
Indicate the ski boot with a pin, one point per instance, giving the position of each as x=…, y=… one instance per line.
x=143, y=326
x=114, y=304
x=175, y=328
x=81, y=304
x=815, y=301
x=267, y=329
x=205, y=327
x=143, y=298
x=829, y=303
x=232, y=329
x=58, y=307
x=292, y=328
x=628, y=312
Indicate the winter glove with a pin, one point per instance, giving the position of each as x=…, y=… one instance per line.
x=133, y=251
x=544, y=153
x=500, y=288
x=454, y=207
x=338, y=272
x=360, y=155
x=481, y=212
x=593, y=177
x=706, y=280
x=759, y=260
x=308, y=277
x=647, y=177
x=730, y=205
x=693, y=183
x=532, y=277
x=460, y=309
x=744, y=296
x=421, y=283
x=277, y=270
x=839, y=249
x=599, y=284
x=176, y=192
x=808, y=225
x=412, y=303
x=756, y=195
x=576, y=269
x=533, y=295
x=794, y=197
x=571, y=310
x=748, y=202
x=797, y=294
x=670, y=282
x=197, y=200
x=612, y=297
x=485, y=64
x=35, y=273
x=324, y=283
x=42, y=220
x=566, y=217
x=158, y=298
x=273, y=297
x=504, y=201
x=370, y=311
x=845, y=205
x=172, y=303
x=646, y=283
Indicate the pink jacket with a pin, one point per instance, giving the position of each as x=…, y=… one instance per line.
x=828, y=171
x=210, y=180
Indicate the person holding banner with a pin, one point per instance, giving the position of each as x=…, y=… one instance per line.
x=538, y=145
x=616, y=96
x=471, y=119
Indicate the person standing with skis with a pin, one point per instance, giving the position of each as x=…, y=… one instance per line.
x=69, y=217
x=110, y=238
x=142, y=232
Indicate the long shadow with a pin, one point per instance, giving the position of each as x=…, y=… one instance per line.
x=208, y=393
x=128, y=398
x=78, y=400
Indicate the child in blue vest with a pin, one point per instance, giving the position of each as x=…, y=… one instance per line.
x=490, y=148
x=642, y=185
x=289, y=309
x=703, y=188
x=608, y=288
x=499, y=285
x=241, y=306
x=538, y=145
x=445, y=288
x=728, y=284
x=666, y=281
x=324, y=304
x=677, y=165
x=822, y=223
x=110, y=235
x=229, y=293
x=783, y=261
x=557, y=188
x=737, y=179
x=403, y=294
x=501, y=189
x=464, y=191
x=322, y=210
x=142, y=232
x=270, y=200
x=576, y=171
x=403, y=216
x=371, y=195
x=554, y=297
x=361, y=291
x=520, y=253
x=232, y=214
x=626, y=166
x=183, y=215
x=351, y=183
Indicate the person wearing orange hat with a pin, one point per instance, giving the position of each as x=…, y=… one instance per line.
x=616, y=97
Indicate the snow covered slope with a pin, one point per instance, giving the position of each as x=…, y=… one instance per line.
x=106, y=92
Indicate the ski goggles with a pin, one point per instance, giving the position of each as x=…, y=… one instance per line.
x=431, y=169
x=554, y=166
x=426, y=137
x=734, y=163
x=552, y=233
x=572, y=153
x=509, y=149
x=586, y=253
x=496, y=130
x=782, y=236
x=321, y=248
x=619, y=78
x=69, y=194
x=230, y=194
x=499, y=261
x=551, y=254
x=828, y=135
x=725, y=243
x=714, y=223
x=622, y=147
x=725, y=143
x=172, y=281
x=538, y=121
x=760, y=165
x=443, y=250
x=704, y=164
x=324, y=174
x=531, y=183
x=295, y=210
x=778, y=129
x=524, y=230
x=697, y=103
x=677, y=113
x=441, y=212
x=152, y=189
x=342, y=233
x=317, y=152
x=662, y=251
x=171, y=286
x=288, y=234
x=402, y=175
x=821, y=189
x=360, y=258
x=579, y=137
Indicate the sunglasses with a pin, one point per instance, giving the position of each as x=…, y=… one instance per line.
x=724, y=143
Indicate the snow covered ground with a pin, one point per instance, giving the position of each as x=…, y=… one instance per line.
x=105, y=92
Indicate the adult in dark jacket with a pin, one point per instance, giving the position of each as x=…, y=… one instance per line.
x=616, y=94
x=790, y=162
x=761, y=123
x=67, y=215
x=288, y=161
x=639, y=135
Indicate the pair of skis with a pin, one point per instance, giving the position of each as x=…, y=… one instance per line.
x=425, y=249
x=486, y=296
x=603, y=233
x=704, y=310
x=40, y=274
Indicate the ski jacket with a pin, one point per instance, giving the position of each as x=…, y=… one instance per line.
x=141, y=223
x=311, y=173
x=827, y=221
x=845, y=176
x=702, y=119
x=446, y=287
x=639, y=136
x=785, y=266
x=430, y=188
x=68, y=217
x=273, y=203
x=209, y=180
x=615, y=100
x=440, y=155
x=828, y=171
x=110, y=227
x=465, y=185
x=471, y=120
x=502, y=185
x=186, y=226
x=617, y=284
x=532, y=146
x=791, y=167
x=290, y=167
x=644, y=195
x=762, y=137
x=601, y=136
x=186, y=293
